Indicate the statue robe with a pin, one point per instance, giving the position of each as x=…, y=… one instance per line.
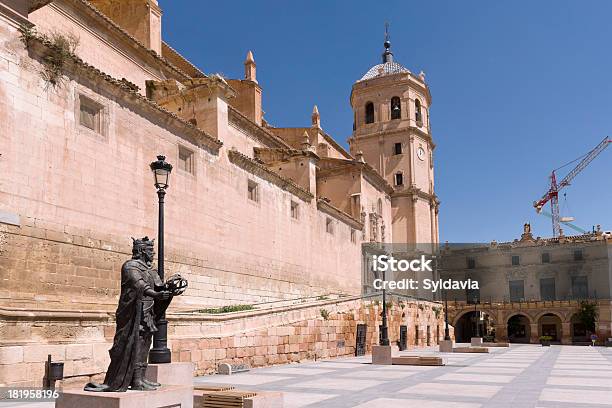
x=126, y=344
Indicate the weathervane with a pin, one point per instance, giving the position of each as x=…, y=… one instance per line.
x=387, y=36
x=387, y=56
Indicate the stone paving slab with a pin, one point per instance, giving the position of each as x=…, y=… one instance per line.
x=522, y=376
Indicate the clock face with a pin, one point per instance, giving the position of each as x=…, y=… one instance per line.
x=421, y=153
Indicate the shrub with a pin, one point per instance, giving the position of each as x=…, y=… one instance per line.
x=588, y=315
x=324, y=314
x=227, y=309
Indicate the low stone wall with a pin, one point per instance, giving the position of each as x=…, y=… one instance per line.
x=258, y=338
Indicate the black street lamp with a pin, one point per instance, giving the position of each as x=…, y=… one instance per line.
x=446, y=329
x=160, y=353
x=477, y=316
x=384, y=338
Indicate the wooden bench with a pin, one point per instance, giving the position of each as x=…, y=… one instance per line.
x=218, y=397
x=470, y=350
x=497, y=344
x=417, y=361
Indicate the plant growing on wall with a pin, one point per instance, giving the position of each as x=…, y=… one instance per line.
x=324, y=314
x=588, y=315
x=437, y=311
x=60, y=49
x=228, y=309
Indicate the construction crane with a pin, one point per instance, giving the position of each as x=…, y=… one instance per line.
x=552, y=194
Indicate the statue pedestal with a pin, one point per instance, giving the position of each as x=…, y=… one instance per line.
x=382, y=355
x=476, y=341
x=175, y=396
x=171, y=373
x=446, y=346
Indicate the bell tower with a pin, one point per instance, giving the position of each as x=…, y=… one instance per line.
x=391, y=128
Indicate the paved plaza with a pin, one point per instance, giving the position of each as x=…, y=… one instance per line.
x=521, y=376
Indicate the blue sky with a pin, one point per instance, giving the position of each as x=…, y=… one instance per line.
x=519, y=88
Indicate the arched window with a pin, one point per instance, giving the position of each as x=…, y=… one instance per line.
x=396, y=108
x=399, y=179
x=379, y=207
x=369, y=112
x=418, y=116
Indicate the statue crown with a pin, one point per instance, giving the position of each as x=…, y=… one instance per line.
x=141, y=243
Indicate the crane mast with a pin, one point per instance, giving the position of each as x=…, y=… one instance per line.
x=552, y=194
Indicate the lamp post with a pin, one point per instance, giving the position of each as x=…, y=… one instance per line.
x=161, y=172
x=477, y=317
x=384, y=339
x=446, y=329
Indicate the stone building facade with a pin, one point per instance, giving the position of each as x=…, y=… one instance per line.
x=532, y=287
x=90, y=94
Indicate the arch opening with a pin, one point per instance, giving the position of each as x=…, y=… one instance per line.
x=519, y=330
x=549, y=324
x=369, y=112
x=474, y=324
x=396, y=108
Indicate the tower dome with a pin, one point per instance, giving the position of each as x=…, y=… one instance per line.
x=388, y=66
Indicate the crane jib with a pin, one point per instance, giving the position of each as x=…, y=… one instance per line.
x=553, y=193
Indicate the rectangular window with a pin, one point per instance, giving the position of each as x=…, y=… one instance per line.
x=578, y=256
x=295, y=210
x=329, y=226
x=471, y=263
x=547, y=289
x=516, y=260
x=517, y=290
x=397, y=148
x=253, y=191
x=580, y=287
x=546, y=257
x=399, y=179
x=90, y=114
x=186, y=160
x=353, y=236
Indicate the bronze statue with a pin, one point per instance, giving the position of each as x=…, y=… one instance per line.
x=143, y=297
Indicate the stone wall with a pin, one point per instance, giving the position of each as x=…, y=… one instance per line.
x=81, y=339
x=79, y=196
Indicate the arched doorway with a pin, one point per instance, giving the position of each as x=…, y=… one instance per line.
x=472, y=324
x=518, y=329
x=578, y=331
x=549, y=324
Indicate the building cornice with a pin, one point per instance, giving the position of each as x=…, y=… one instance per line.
x=416, y=193
x=138, y=46
x=261, y=171
x=252, y=129
x=283, y=154
x=338, y=166
x=195, y=71
x=326, y=207
x=335, y=144
x=126, y=91
x=14, y=17
x=388, y=132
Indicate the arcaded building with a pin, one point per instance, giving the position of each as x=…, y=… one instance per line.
x=531, y=287
x=90, y=94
